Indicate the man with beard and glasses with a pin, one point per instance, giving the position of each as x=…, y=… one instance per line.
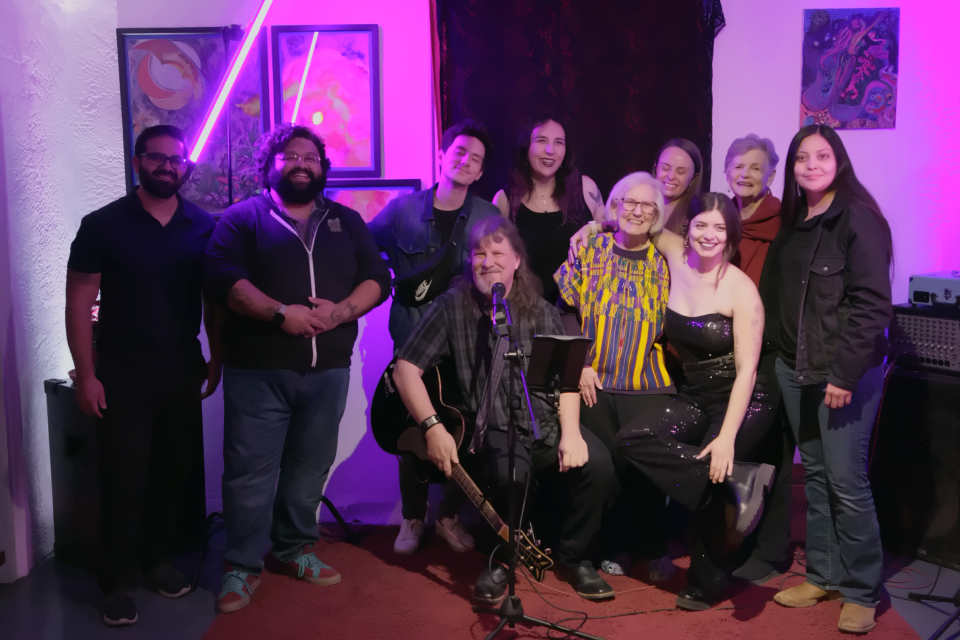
x=144, y=254
x=295, y=270
x=421, y=235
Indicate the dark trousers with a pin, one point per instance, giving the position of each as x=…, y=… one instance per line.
x=279, y=440
x=150, y=450
x=634, y=523
x=770, y=542
x=415, y=478
x=581, y=492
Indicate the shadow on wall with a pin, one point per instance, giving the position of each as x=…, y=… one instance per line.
x=363, y=482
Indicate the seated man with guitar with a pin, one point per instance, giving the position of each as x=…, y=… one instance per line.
x=459, y=328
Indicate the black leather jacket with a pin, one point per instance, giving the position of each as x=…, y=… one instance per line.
x=846, y=305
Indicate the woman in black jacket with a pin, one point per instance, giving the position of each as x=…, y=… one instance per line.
x=826, y=289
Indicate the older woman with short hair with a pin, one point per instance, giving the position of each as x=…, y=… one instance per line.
x=750, y=167
x=614, y=291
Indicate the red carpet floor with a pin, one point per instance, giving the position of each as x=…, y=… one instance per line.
x=426, y=597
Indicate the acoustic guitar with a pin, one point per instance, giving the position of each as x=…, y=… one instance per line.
x=395, y=430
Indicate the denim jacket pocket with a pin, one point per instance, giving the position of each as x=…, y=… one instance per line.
x=412, y=243
x=826, y=281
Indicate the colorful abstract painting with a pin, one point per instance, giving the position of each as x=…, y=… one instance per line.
x=327, y=78
x=850, y=65
x=172, y=77
x=368, y=197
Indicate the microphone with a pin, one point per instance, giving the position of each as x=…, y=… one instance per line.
x=501, y=314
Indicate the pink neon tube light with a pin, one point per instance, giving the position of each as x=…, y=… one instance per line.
x=238, y=59
x=303, y=80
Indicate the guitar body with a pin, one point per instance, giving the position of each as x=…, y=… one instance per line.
x=395, y=431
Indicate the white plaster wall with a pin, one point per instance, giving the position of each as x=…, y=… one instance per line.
x=913, y=171
x=63, y=157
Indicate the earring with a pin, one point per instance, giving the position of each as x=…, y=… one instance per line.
x=686, y=241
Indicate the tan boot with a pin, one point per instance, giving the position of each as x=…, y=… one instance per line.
x=855, y=618
x=804, y=595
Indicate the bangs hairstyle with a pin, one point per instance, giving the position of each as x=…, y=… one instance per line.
x=526, y=290
x=630, y=181
x=731, y=218
x=158, y=131
x=276, y=141
x=472, y=129
x=849, y=189
x=568, y=188
x=675, y=223
x=747, y=144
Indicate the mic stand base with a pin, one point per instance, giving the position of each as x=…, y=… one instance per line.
x=511, y=613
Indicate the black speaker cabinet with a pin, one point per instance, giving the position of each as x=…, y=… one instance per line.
x=915, y=466
x=73, y=471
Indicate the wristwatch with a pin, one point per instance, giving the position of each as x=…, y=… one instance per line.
x=279, y=316
x=429, y=422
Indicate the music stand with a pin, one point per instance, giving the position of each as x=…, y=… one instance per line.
x=555, y=366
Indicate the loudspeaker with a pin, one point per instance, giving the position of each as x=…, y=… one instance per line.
x=915, y=466
x=73, y=474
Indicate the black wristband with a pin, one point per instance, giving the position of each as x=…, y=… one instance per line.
x=429, y=422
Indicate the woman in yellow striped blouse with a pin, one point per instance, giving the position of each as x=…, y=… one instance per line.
x=616, y=291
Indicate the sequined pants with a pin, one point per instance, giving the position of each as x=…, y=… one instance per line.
x=664, y=445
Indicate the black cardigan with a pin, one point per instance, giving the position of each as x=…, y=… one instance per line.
x=253, y=242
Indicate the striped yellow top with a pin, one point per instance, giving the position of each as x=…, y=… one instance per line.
x=621, y=302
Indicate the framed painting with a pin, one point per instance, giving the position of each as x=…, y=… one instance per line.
x=171, y=76
x=368, y=197
x=328, y=78
x=851, y=58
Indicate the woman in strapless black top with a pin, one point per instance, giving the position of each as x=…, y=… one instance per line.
x=548, y=199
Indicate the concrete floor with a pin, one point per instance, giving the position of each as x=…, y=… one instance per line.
x=58, y=601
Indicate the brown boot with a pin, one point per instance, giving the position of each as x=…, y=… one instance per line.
x=855, y=618
x=804, y=595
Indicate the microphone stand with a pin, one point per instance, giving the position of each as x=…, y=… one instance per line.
x=511, y=610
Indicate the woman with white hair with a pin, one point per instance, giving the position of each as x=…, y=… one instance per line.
x=750, y=167
x=616, y=292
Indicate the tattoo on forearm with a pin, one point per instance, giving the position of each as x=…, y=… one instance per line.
x=342, y=313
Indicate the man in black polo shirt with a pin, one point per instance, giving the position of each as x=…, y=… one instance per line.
x=144, y=254
x=296, y=271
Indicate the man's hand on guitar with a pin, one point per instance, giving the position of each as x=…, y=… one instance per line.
x=572, y=453
x=442, y=448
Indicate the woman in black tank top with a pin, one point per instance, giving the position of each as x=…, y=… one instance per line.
x=548, y=199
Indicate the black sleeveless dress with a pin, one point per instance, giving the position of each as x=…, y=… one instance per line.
x=547, y=240
x=664, y=446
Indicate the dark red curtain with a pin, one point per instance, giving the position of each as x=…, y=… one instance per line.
x=627, y=74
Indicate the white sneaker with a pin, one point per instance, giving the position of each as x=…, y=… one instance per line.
x=408, y=540
x=456, y=536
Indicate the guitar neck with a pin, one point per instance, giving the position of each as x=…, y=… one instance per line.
x=477, y=498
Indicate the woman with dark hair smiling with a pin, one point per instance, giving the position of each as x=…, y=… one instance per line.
x=826, y=285
x=548, y=198
x=679, y=167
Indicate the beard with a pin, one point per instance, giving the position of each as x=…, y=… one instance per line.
x=292, y=193
x=160, y=188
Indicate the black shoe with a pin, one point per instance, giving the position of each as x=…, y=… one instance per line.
x=693, y=599
x=587, y=582
x=756, y=571
x=748, y=483
x=491, y=588
x=119, y=610
x=168, y=582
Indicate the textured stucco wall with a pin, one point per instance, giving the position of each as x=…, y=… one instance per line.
x=63, y=156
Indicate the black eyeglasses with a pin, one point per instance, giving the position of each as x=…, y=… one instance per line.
x=648, y=208
x=159, y=159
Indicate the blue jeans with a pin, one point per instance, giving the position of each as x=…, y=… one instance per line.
x=843, y=536
x=279, y=441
